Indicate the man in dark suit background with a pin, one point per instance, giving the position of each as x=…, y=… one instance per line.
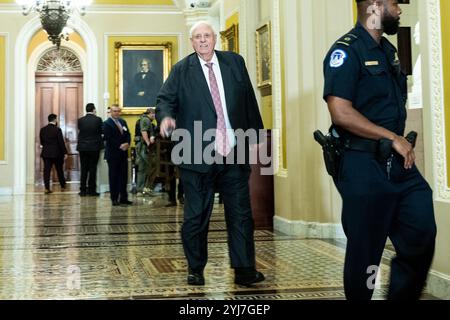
x=117, y=138
x=90, y=142
x=54, y=151
x=213, y=87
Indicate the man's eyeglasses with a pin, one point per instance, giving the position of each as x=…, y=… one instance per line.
x=207, y=36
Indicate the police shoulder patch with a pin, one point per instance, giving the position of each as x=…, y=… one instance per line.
x=337, y=58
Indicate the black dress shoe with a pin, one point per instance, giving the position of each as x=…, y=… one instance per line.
x=82, y=194
x=195, y=278
x=181, y=200
x=115, y=203
x=248, y=278
x=94, y=194
x=126, y=202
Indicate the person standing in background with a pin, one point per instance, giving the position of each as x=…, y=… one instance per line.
x=54, y=152
x=144, y=138
x=117, y=138
x=90, y=142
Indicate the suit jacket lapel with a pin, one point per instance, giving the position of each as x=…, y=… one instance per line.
x=199, y=79
x=112, y=123
x=227, y=79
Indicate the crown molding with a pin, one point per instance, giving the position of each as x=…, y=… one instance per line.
x=108, y=9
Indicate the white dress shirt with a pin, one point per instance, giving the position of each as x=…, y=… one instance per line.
x=218, y=74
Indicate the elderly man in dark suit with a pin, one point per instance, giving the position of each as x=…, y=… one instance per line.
x=54, y=151
x=90, y=142
x=117, y=138
x=214, y=88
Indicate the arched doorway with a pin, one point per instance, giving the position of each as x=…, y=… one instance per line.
x=24, y=82
x=59, y=90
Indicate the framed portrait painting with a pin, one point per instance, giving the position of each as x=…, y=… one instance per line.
x=230, y=39
x=263, y=56
x=141, y=69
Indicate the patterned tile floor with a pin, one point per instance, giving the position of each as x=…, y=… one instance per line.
x=61, y=246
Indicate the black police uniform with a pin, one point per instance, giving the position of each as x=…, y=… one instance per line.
x=380, y=198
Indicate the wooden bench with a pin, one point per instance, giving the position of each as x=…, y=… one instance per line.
x=165, y=169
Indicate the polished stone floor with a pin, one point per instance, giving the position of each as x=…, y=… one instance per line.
x=61, y=246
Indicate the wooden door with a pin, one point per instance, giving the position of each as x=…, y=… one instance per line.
x=63, y=96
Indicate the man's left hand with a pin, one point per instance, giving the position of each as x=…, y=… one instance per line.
x=405, y=149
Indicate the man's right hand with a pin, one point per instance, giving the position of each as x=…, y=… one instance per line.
x=404, y=148
x=167, y=126
x=124, y=146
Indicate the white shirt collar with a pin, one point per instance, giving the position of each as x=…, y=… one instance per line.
x=214, y=60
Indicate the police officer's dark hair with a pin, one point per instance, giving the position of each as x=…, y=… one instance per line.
x=149, y=110
x=359, y=1
x=363, y=5
x=52, y=117
x=90, y=107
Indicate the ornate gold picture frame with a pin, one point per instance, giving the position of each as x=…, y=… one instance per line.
x=141, y=69
x=230, y=39
x=264, y=56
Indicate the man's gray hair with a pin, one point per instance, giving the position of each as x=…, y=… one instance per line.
x=200, y=23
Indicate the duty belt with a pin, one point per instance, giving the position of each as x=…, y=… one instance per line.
x=360, y=144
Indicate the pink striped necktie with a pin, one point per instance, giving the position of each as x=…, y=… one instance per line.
x=223, y=146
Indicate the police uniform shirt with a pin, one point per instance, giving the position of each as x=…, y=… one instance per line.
x=364, y=72
x=145, y=124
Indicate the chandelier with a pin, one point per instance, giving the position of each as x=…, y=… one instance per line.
x=54, y=15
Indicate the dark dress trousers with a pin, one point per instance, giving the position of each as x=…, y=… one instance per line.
x=90, y=142
x=53, y=151
x=117, y=159
x=186, y=97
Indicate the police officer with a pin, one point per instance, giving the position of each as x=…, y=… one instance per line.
x=144, y=137
x=383, y=193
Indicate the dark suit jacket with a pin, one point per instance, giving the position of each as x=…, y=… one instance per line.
x=52, y=142
x=186, y=97
x=90, y=133
x=114, y=139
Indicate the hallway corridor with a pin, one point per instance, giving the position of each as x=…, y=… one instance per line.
x=61, y=246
